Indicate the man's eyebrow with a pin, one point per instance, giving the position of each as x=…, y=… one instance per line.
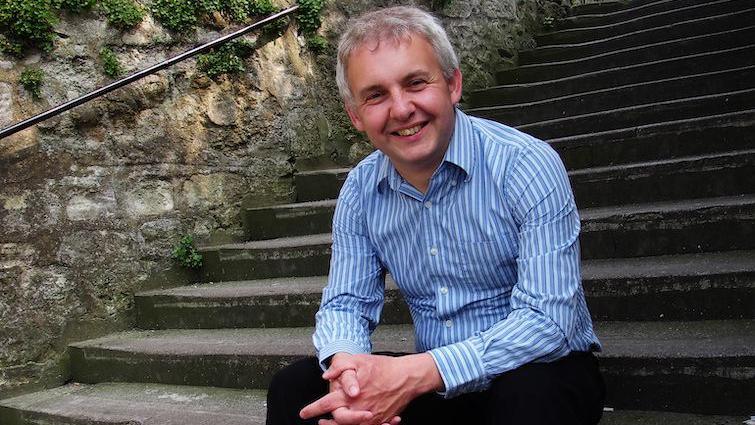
x=415, y=74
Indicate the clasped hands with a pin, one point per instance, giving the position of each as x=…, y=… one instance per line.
x=368, y=389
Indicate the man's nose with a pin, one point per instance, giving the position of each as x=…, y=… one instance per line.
x=402, y=107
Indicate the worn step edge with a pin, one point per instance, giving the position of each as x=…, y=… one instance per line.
x=678, y=109
x=534, y=55
x=634, y=21
x=616, y=92
x=131, y=403
x=665, y=46
x=614, y=287
x=633, y=10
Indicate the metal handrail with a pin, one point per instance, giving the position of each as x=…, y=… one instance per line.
x=138, y=75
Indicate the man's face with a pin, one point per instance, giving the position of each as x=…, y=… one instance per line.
x=403, y=102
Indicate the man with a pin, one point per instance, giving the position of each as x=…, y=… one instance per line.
x=476, y=222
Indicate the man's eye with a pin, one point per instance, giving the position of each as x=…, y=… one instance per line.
x=372, y=96
x=417, y=83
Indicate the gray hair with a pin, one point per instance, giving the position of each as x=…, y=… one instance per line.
x=393, y=23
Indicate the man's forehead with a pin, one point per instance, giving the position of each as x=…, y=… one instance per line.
x=373, y=43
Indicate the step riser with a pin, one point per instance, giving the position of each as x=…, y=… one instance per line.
x=711, y=297
x=552, y=71
x=622, y=76
x=722, y=177
x=273, y=223
x=710, y=230
x=601, y=8
x=240, y=371
x=682, y=30
x=638, y=145
x=647, y=22
x=228, y=265
x=608, y=18
x=673, y=182
x=715, y=229
x=676, y=385
x=610, y=99
x=636, y=116
x=318, y=187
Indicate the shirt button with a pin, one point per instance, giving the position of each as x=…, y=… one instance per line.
x=428, y=204
x=433, y=251
x=453, y=182
x=443, y=290
x=449, y=323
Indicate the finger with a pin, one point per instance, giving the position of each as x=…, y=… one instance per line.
x=349, y=382
x=323, y=405
x=395, y=420
x=347, y=416
x=327, y=422
x=338, y=365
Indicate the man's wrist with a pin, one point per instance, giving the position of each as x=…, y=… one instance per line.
x=425, y=372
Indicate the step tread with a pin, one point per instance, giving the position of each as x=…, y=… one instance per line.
x=683, y=165
x=146, y=404
x=619, y=268
x=659, y=45
x=609, y=91
x=665, y=207
x=713, y=339
x=634, y=33
x=636, y=19
x=538, y=84
x=310, y=204
x=626, y=8
x=628, y=109
x=738, y=118
x=158, y=404
x=323, y=171
x=289, y=242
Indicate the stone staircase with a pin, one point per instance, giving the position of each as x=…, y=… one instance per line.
x=650, y=105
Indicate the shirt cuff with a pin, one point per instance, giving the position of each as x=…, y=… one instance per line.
x=461, y=368
x=335, y=347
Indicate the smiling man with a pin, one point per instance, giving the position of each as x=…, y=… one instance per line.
x=476, y=222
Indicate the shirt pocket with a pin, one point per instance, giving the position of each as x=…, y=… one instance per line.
x=482, y=263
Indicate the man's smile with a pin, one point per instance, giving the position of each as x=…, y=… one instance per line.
x=411, y=131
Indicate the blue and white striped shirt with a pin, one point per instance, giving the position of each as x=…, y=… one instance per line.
x=487, y=259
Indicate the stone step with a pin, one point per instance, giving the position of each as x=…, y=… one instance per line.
x=668, y=228
x=606, y=7
x=711, y=286
x=675, y=139
x=156, y=404
x=737, y=18
x=700, y=63
x=673, y=227
x=624, y=96
x=319, y=185
x=698, y=107
x=282, y=257
x=730, y=173
x=655, y=51
x=135, y=403
x=646, y=19
x=696, y=367
x=607, y=15
x=298, y=219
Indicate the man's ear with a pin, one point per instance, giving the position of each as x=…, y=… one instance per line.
x=353, y=116
x=454, y=86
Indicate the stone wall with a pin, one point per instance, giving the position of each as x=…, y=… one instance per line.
x=92, y=201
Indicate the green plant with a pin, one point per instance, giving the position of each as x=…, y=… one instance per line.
x=227, y=59
x=317, y=43
x=10, y=47
x=123, y=14
x=186, y=253
x=179, y=15
x=28, y=22
x=111, y=66
x=308, y=15
x=75, y=5
x=440, y=4
x=32, y=79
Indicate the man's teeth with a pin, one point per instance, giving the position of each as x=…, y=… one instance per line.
x=409, y=131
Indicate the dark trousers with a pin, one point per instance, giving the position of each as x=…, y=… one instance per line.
x=569, y=391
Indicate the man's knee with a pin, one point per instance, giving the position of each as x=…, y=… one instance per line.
x=292, y=388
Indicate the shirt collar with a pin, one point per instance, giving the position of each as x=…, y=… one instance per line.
x=461, y=153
